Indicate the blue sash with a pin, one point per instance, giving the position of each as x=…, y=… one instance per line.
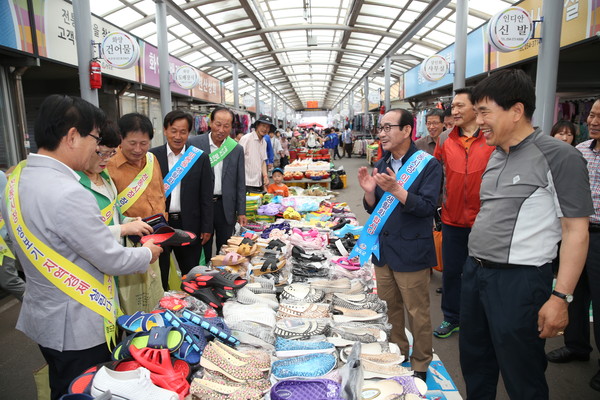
x=368, y=242
x=181, y=168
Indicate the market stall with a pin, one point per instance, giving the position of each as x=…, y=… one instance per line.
x=281, y=313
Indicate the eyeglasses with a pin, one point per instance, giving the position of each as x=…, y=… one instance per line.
x=385, y=128
x=434, y=123
x=98, y=138
x=106, y=154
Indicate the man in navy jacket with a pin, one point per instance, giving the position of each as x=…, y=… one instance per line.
x=407, y=251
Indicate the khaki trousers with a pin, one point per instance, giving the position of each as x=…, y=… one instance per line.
x=408, y=291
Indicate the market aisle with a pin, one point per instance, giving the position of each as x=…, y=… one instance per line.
x=566, y=381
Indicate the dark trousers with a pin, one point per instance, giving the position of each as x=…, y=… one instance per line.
x=348, y=150
x=455, y=250
x=64, y=366
x=577, y=333
x=187, y=256
x=336, y=152
x=254, y=189
x=222, y=230
x=283, y=161
x=498, y=330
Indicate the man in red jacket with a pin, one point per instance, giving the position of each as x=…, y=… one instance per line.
x=464, y=155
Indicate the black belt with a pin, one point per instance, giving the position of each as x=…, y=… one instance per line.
x=494, y=265
x=594, y=227
x=175, y=216
x=217, y=197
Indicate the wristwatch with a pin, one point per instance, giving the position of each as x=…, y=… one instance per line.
x=566, y=297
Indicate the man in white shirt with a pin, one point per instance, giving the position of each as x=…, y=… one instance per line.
x=190, y=205
x=255, y=155
x=229, y=193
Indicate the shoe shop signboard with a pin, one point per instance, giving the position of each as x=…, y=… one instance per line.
x=510, y=30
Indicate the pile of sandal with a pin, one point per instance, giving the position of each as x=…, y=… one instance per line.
x=282, y=311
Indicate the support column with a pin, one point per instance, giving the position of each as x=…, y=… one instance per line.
x=351, y=104
x=257, y=97
x=272, y=105
x=236, y=93
x=166, y=104
x=460, y=44
x=547, y=67
x=366, y=90
x=388, y=81
x=85, y=53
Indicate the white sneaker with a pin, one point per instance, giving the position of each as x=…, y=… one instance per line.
x=129, y=385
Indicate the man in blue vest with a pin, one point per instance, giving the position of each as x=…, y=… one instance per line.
x=406, y=248
x=190, y=204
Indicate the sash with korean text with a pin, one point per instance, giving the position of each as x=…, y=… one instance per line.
x=223, y=151
x=140, y=183
x=368, y=242
x=181, y=167
x=71, y=279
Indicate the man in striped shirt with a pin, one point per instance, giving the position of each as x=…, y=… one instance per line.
x=577, y=334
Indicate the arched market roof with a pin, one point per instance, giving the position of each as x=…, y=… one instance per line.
x=301, y=50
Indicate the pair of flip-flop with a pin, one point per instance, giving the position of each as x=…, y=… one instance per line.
x=270, y=264
x=231, y=258
x=167, y=236
x=347, y=263
x=179, y=368
x=159, y=337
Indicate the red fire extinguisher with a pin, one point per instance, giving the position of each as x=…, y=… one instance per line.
x=95, y=75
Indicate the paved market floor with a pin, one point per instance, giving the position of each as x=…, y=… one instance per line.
x=21, y=356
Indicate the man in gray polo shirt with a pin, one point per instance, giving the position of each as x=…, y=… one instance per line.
x=535, y=191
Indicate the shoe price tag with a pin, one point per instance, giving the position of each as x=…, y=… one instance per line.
x=341, y=248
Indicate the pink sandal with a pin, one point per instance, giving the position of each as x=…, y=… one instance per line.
x=346, y=263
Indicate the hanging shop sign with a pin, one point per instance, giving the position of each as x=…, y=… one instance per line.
x=312, y=104
x=374, y=97
x=435, y=68
x=248, y=101
x=120, y=50
x=280, y=114
x=186, y=77
x=511, y=29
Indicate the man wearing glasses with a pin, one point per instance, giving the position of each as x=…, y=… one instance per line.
x=435, y=127
x=402, y=192
x=68, y=254
x=464, y=156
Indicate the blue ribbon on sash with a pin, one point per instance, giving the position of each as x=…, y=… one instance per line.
x=181, y=168
x=368, y=242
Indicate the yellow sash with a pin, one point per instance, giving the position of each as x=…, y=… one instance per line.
x=131, y=193
x=62, y=273
x=108, y=212
x=4, y=249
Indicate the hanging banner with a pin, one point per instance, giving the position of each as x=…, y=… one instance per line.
x=16, y=26
x=55, y=32
x=580, y=21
